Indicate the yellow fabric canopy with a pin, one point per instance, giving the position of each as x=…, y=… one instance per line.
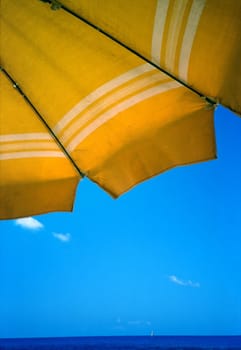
x=35, y=176
x=198, y=41
x=118, y=117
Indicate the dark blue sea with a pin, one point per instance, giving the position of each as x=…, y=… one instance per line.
x=123, y=343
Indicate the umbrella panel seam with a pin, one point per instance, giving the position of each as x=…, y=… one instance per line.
x=21, y=92
x=55, y=4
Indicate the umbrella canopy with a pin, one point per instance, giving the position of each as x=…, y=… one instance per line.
x=98, y=103
x=197, y=41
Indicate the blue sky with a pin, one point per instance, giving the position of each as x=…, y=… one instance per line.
x=163, y=257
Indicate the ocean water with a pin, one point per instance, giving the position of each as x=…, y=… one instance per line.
x=123, y=343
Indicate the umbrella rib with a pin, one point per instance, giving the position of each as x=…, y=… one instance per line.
x=55, y=5
x=22, y=93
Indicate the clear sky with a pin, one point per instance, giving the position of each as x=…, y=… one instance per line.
x=163, y=257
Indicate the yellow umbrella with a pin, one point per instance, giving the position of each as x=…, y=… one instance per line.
x=118, y=91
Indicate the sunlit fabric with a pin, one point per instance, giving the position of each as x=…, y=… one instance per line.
x=198, y=41
x=35, y=176
x=118, y=117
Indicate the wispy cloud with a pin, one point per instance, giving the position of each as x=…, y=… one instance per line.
x=63, y=237
x=138, y=322
x=118, y=320
x=29, y=223
x=121, y=325
x=135, y=322
x=119, y=328
x=184, y=283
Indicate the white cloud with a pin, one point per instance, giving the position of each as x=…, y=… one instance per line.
x=188, y=283
x=63, y=237
x=29, y=223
